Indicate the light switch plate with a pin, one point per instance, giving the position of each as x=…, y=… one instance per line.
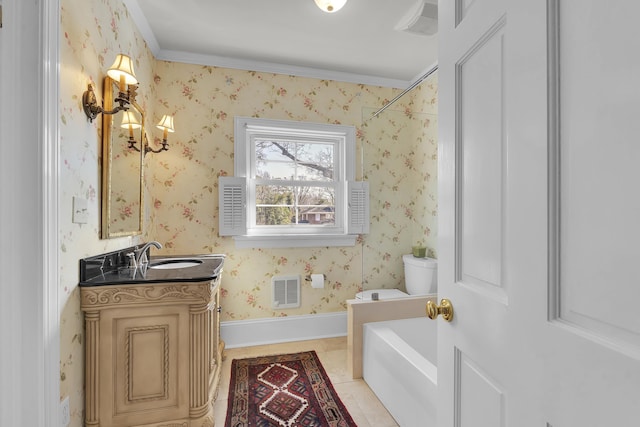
x=80, y=211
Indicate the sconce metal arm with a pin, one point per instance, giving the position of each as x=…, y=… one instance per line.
x=132, y=144
x=165, y=147
x=147, y=148
x=92, y=109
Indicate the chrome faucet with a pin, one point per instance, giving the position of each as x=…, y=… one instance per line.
x=141, y=254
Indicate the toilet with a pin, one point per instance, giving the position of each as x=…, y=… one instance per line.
x=420, y=278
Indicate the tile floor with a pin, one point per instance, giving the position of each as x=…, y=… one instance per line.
x=364, y=407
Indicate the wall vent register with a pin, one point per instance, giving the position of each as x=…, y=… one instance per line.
x=285, y=291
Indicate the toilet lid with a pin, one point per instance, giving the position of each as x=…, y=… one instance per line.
x=425, y=262
x=382, y=294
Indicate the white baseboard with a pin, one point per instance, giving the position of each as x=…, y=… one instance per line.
x=273, y=330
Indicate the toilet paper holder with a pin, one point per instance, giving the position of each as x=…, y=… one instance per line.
x=308, y=277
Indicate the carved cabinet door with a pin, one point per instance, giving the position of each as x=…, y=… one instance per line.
x=148, y=378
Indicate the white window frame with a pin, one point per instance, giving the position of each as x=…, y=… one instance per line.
x=244, y=230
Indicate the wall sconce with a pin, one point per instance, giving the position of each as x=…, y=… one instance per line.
x=165, y=125
x=130, y=121
x=122, y=72
x=330, y=6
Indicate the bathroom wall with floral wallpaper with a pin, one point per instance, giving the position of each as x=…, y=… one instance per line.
x=396, y=153
x=400, y=164
x=92, y=34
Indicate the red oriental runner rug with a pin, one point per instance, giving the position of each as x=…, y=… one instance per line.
x=289, y=390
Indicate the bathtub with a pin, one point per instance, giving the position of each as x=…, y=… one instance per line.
x=399, y=365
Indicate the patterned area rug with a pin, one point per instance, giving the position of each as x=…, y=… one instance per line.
x=289, y=390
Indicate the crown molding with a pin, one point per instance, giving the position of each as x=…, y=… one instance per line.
x=143, y=25
x=275, y=68
x=242, y=64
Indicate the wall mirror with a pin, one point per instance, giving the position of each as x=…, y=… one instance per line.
x=122, y=169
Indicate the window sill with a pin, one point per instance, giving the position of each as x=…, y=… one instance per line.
x=295, y=241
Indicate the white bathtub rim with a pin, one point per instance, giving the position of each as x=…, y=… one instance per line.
x=426, y=367
x=403, y=377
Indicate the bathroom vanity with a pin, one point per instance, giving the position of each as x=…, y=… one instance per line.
x=152, y=339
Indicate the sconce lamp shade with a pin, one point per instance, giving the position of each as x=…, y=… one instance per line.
x=123, y=67
x=129, y=120
x=330, y=6
x=166, y=123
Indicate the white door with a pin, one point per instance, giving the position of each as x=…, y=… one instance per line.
x=539, y=212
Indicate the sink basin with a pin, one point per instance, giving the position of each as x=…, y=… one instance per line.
x=175, y=263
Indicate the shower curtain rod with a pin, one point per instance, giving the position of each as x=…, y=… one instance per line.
x=401, y=94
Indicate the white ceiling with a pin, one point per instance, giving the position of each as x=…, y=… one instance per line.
x=359, y=43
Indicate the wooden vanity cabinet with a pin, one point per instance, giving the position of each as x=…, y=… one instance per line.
x=153, y=354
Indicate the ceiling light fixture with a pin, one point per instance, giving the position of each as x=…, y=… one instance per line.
x=330, y=6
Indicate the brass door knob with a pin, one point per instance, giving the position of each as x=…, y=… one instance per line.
x=445, y=308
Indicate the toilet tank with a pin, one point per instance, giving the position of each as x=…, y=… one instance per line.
x=420, y=275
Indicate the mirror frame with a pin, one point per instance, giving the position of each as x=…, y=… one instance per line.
x=106, y=230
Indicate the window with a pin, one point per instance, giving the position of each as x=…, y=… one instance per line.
x=294, y=186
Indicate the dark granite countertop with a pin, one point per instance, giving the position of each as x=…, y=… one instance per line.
x=109, y=269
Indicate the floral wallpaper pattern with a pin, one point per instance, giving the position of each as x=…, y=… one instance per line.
x=92, y=34
x=396, y=153
x=400, y=152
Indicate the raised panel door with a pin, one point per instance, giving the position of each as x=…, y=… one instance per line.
x=149, y=376
x=537, y=212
